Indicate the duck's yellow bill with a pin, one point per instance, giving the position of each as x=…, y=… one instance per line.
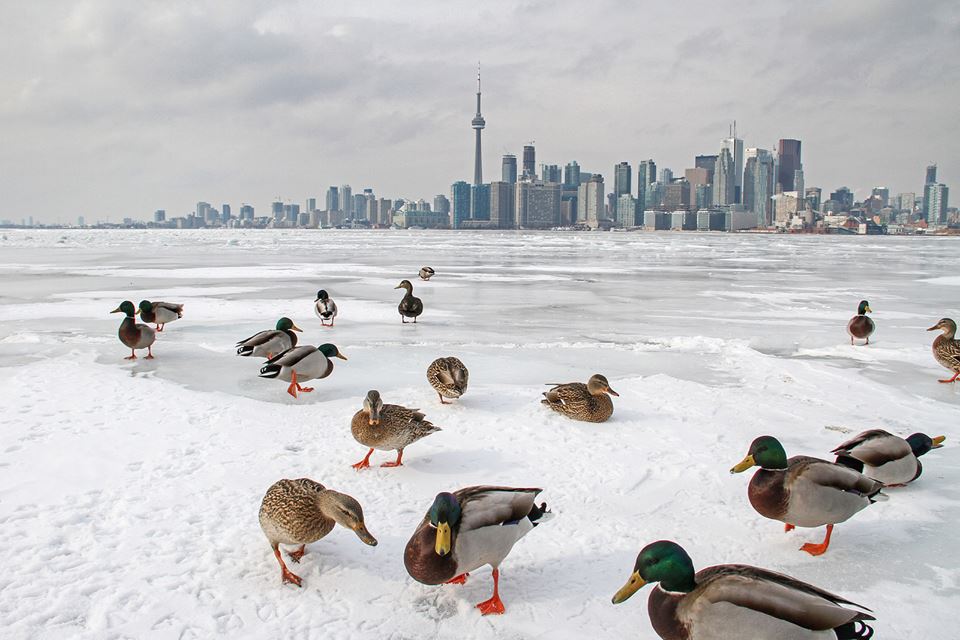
x=868, y=310
x=117, y=310
x=634, y=584
x=443, y=539
x=938, y=441
x=296, y=328
x=341, y=356
x=743, y=465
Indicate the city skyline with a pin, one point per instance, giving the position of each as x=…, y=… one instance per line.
x=117, y=111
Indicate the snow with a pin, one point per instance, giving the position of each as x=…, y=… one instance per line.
x=129, y=491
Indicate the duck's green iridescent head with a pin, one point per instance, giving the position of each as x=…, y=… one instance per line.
x=921, y=443
x=864, y=308
x=444, y=513
x=145, y=306
x=765, y=452
x=331, y=351
x=286, y=324
x=663, y=561
x=126, y=307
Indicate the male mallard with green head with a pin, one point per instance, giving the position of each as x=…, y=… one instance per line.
x=136, y=336
x=387, y=427
x=737, y=601
x=586, y=402
x=946, y=348
x=885, y=457
x=266, y=343
x=325, y=308
x=160, y=313
x=300, y=364
x=302, y=511
x=804, y=491
x=448, y=377
x=468, y=529
x=861, y=326
x=410, y=306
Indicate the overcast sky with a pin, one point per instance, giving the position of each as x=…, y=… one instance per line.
x=112, y=108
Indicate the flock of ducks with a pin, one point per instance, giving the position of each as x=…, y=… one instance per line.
x=478, y=526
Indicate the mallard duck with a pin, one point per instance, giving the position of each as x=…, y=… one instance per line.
x=325, y=308
x=160, y=313
x=387, y=427
x=302, y=511
x=861, y=326
x=737, y=601
x=885, y=457
x=946, y=348
x=468, y=529
x=805, y=491
x=300, y=364
x=410, y=305
x=587, y=402
x=266, y=343
x=136, y=336
x=448, y=377
x=426, y=273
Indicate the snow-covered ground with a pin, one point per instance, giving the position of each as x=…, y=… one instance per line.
x=129, y=491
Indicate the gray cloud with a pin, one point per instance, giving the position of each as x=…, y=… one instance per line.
x=111, y=108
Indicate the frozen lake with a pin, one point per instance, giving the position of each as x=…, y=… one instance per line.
x=129, y=491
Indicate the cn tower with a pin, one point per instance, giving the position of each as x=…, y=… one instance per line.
x=478, y=123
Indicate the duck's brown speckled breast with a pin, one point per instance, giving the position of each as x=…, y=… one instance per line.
x=767, y=494
x=421, y=560
x=662, y=608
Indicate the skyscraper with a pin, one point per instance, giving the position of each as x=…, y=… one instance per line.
x=626, y=215
x=735, y=146
x=333, y=199
x=724, y=187
x=346, y=201
x=591, y=205
x=788, y=162
x=571, y=175
x=935, y=203
x=764, y=188
x=622, y=175
x=883, y=194
x=509, y=171
x=706, y=162
x=478, y=123
x=646, y=174
x=460, y=200
x=311, y=205
x=551, y=173
x=441, y=204
x=480, y=201
x=502, y=204
x=537, y=204
x=931, y=174
x=529, y=161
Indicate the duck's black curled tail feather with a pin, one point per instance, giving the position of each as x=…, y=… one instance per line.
x=855, y=630
x=270, y=370
x=851, y=462
x=244, y=351
x=537, y=513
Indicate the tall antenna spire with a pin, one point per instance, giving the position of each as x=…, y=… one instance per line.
x=478, y=123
